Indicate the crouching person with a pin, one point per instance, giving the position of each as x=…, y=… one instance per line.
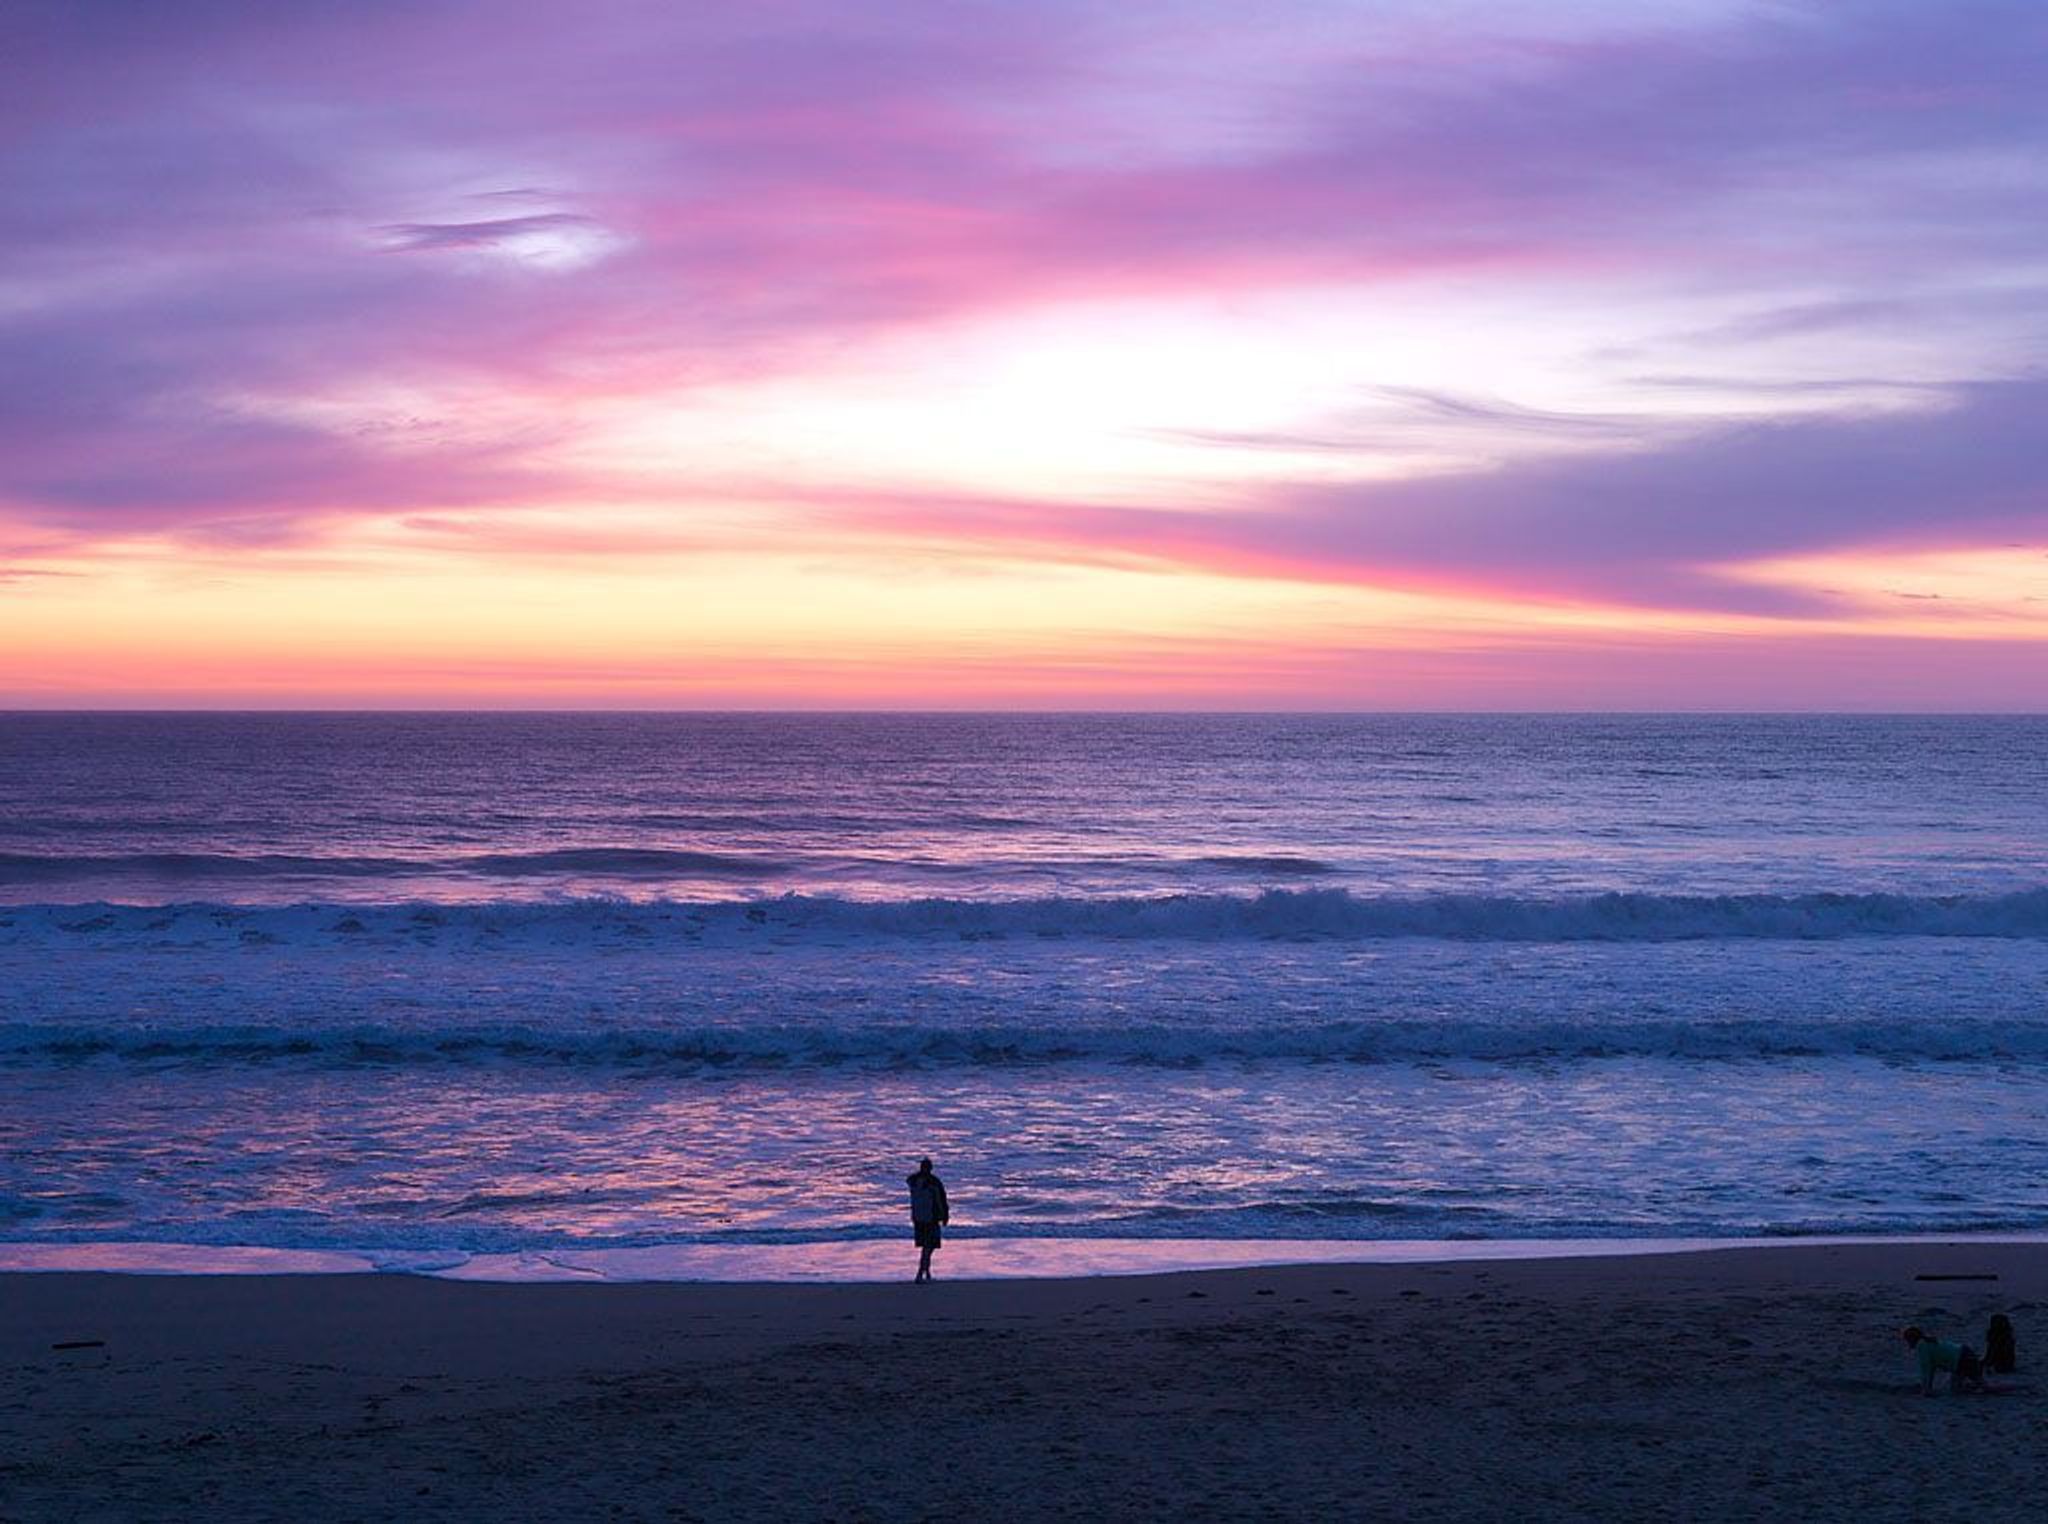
x=1965, y=1370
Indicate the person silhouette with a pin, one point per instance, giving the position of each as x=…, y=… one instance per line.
x=2001, y=1349
x=928, y=1214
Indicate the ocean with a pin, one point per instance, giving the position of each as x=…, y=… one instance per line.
x=426, y=987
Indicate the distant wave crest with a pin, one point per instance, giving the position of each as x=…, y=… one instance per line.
x=900, y=1045
x=1267, y=865
x=595, y=862
x=35, y=868
x=625, y=862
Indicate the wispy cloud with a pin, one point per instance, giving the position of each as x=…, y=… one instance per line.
x=494, y=233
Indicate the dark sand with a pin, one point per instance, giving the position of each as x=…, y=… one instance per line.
x=1753, y=1383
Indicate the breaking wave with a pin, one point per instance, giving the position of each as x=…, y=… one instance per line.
x=1288, y=914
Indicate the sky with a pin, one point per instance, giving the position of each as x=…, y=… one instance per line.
x=1392, y=354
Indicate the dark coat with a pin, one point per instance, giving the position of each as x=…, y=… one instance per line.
x=928, y=1199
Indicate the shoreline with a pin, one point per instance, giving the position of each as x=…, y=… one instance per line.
x=1764, y=1381
x=882, y=1261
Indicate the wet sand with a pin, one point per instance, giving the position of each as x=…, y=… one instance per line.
x=1748, y=1383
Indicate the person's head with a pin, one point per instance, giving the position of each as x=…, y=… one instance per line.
x=924, y=1166
x=1912, y=1336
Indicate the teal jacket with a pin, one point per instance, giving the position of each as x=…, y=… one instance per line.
x=1935, y=1355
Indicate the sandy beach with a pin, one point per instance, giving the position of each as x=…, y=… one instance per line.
x=1744, y=1383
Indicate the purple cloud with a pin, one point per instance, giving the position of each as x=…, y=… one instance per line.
x=1653, y=525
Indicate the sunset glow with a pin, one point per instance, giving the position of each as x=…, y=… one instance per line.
x=1569, y=355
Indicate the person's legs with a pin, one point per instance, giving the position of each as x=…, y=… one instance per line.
x=924, y=1263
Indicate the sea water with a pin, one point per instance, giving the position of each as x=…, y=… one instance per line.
x=436, y=986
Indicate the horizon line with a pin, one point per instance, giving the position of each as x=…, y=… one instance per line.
x=140, y=711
